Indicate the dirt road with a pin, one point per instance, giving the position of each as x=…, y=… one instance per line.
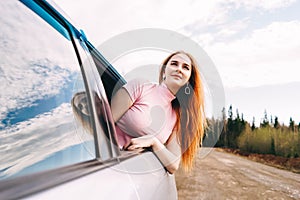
x=221, y=175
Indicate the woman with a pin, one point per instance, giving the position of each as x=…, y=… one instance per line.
x=168, y=117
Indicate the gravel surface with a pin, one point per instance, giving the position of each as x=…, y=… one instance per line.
x=220, y=175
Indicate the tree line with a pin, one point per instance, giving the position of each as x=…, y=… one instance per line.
x=270, y=137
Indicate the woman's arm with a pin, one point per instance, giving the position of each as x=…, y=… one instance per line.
x=169, y=154
x=120, y=103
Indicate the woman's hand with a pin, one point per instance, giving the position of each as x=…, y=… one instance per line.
x=144, y=142
x=169, y=155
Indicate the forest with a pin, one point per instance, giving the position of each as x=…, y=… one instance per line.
x=270, y=137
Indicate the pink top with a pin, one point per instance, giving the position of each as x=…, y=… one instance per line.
x=151, y=112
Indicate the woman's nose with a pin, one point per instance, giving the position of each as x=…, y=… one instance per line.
x=179, y=69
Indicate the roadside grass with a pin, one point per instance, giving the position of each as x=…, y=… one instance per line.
x=290, y=164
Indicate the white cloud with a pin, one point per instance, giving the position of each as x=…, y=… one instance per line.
x=232, y=28
x=28, y=142
x=101, y=20
x=31, y=66
x=267, y=56
x=262, y=4
x=224, y=32
x=210, y=23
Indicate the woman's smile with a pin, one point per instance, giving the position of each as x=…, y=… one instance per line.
x=177, y=72
x=177, y=76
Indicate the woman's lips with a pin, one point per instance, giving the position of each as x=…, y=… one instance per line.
x=177, y=76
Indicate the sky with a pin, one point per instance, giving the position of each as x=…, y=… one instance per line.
x=252, y=43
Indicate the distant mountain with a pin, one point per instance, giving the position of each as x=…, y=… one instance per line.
x=282, y=100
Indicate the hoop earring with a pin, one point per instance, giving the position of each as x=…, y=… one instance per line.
x=187, y=89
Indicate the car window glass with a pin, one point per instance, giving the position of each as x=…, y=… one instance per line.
x=103, y=126
x=39, y=75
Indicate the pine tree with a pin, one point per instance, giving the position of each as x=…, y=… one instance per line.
x=237, y=115
x=253, y=124
x=276, y=123
x=265, y=122
x=271, y=119
x=292, y=124
x=230, y=114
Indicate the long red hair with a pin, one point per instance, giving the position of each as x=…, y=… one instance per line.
x=189, y=108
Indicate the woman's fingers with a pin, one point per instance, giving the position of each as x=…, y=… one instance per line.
x=125, y=147
x=132, y=147
x=140, y=142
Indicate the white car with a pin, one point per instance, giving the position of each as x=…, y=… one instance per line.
x=57, y=137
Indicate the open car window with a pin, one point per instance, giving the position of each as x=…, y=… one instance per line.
x=40, y=75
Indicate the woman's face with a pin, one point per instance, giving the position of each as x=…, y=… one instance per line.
x=177, y=72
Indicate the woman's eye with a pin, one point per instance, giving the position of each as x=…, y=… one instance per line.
x=173, y=63
x=186, y=67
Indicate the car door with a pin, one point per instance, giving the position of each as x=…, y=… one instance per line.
x=57, y=136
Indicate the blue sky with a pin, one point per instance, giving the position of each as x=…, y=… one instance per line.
x=252, y=42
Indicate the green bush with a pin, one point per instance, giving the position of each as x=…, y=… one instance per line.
x=268, y=140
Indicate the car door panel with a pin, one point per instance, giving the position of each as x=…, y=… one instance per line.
x=46, y=152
